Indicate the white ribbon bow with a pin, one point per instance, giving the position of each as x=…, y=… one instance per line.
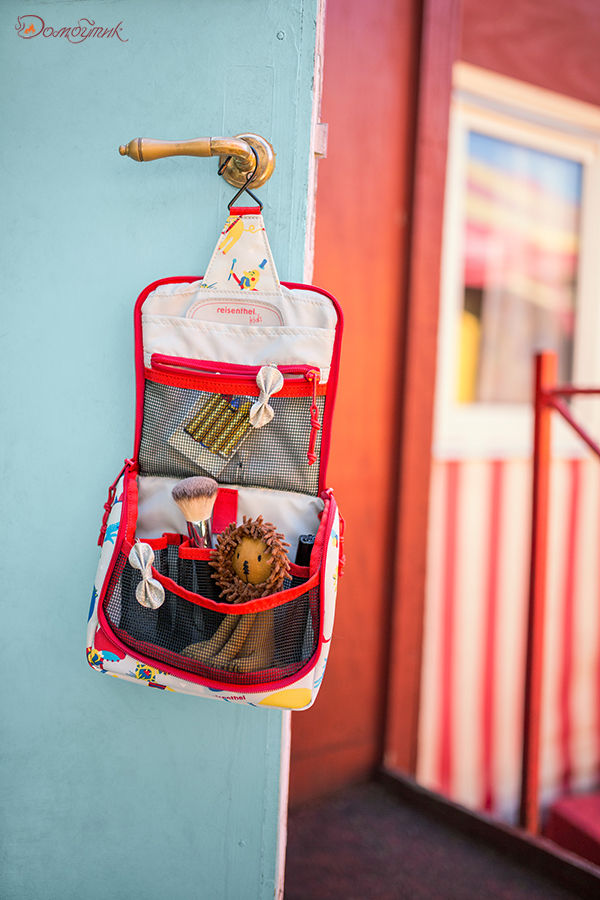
x=269, y=380
x=149, y=592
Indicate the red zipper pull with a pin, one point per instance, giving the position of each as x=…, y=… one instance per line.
x=315, y=425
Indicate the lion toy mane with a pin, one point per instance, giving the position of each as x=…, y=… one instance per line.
x=235, y=589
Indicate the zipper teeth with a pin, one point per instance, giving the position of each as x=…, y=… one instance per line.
x=159, y=363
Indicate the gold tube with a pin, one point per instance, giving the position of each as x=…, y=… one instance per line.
x=235, y=438
x=213, y=433
x=240, y=418
x=205, y=417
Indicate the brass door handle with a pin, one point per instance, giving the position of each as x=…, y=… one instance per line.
x=239, y=148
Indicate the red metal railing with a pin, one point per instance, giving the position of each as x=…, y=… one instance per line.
x=548, y=397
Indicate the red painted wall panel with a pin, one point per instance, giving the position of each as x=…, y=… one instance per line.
x=361, y=256
x=551, y=43
x=372, y=88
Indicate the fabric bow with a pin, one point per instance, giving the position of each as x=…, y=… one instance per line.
x=149, y=592
x=269, y=380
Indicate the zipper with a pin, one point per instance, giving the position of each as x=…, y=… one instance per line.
x=129, y=464
x=315, y=425
x=209, y=369
x=245, y=375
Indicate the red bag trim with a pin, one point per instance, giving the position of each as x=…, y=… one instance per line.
x=188, y=551
x=263, y=687
x=271, y=601
x=316, y=557
x=245, y=211
x=168, y=539
x=207, y=673
x=331, y=384
x=225, y=509
x=110, y=502
x=295, y=387
x=160, y=362
x=326, y=538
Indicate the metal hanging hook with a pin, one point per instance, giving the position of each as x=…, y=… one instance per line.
x=245, y=187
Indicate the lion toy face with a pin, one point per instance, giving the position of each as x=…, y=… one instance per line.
x=252, y=561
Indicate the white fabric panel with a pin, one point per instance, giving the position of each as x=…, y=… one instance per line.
x=238, y=344
x=243, y=245
x=297, y=308
x=190, y=321
x=292, y=514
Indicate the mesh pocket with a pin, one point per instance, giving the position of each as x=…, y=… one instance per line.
x=241, y=649
x=177, y=440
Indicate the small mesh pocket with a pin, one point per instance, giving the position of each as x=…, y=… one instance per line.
x=241, y=649
x=185, y=432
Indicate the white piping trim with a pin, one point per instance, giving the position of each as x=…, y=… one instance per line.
x=284, y=782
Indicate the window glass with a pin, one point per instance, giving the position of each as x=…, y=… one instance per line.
x=521, y=234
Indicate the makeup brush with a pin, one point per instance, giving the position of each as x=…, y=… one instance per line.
x=195, y=497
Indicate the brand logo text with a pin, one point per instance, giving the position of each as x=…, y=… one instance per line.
x=31, y=26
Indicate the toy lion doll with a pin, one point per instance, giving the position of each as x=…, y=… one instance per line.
x=250, y=561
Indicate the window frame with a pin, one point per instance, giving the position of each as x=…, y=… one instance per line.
x=513, y=111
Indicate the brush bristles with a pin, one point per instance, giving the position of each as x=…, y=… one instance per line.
x=195, y=497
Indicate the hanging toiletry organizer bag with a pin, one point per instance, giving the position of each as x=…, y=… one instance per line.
x=236, y=379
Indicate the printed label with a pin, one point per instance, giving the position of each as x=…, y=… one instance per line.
x=238, y=312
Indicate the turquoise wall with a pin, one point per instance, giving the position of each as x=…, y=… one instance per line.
x=110, y=789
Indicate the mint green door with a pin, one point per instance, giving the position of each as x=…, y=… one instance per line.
x=110, y=790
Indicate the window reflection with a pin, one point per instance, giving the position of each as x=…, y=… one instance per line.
x=522, y=214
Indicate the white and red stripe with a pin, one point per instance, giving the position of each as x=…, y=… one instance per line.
x=472, y=684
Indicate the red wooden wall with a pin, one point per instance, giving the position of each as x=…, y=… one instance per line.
x=379, y=212
x=363, y=204
x=551, y=43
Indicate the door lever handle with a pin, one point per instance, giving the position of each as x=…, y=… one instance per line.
x=238, y=151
